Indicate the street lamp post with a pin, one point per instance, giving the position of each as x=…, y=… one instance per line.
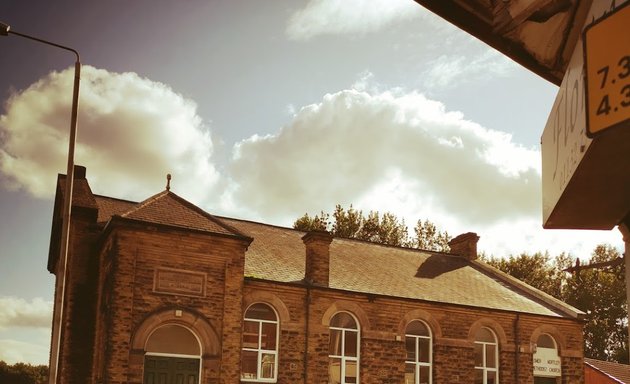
x=54, y=368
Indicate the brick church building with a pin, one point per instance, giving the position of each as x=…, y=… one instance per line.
x=160, y=291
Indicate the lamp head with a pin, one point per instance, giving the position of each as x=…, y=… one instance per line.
x=4, y=29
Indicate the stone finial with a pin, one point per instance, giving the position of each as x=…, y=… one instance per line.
x=465, y=245
x=168, y=181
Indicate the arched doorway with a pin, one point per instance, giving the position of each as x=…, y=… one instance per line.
x=173, y=356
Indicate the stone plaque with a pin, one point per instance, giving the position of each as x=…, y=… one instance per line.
x=179, y=282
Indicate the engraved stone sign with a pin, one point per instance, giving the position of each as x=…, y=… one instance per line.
x=179, y=282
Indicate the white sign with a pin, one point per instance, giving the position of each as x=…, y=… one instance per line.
x=547, y=362
x=565, y=142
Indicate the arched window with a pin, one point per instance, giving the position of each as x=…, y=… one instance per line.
x=419, y=353
x=344, y=349
x=547, y=363
x=172, y=355
x=260, y=344
x=174, y=340
x=486, y=357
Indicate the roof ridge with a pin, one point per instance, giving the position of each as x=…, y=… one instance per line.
x=145, y=202
x=353, y=239
x=206, y=214
x=114, y=198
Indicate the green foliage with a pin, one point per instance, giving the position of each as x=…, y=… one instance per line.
x=384, y=229
x=316, y=223
x=599, y=292
x=536, y=270
x=21, y=373
x=602, y=295
x=430, y=238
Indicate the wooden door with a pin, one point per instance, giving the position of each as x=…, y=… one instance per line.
x=170, y=370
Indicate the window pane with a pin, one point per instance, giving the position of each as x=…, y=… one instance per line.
x=545, y=341
x=478, y=355
x=334, y=371
x=423, y=350
x=350, y=345
x=173, y=339
x=335, y=342
x=343, y=320
x=250, y=334
x=410, y=343
x=267, y=366
x=351, y=372
x=410, y=373
x=492, y=377
x=268, y=336
x=418, y=328
x=491, y=357
x=424, y=375
x=260, y=311
x=248, y=365
x=479, y=376
x=484, y=334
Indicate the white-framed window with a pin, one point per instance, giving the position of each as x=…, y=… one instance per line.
x=343, y=367
x=486, y=357
x=259, y=361
x=418, y=364
x=546, y=360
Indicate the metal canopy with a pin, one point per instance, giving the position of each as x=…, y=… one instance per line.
x=538, y=34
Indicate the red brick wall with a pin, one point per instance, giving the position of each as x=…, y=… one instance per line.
x=130, y=297
x=80, y=310
x=592, y=376
x=382, y=355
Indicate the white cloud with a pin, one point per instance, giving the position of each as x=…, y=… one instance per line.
x=131, y=133
x=405, y=154
x=322, y=17
x=450, y=71
x=380, y=150
x=339, y=149
x=15, y=351
x=18, y=312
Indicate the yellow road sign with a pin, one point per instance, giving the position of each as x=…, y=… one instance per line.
x=607, y=64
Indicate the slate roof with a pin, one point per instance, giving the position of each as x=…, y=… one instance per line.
x=278, y=254
x=165, y=208
x=616, y=371
x=109, y=207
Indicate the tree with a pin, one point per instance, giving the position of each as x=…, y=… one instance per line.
x=346, y=223
x=385, y=229
x=430, y=238
x=316, y=223
x=600, y=293
x=536, y=270
x=21, y=373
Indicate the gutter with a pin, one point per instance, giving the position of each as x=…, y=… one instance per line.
x=307, y=305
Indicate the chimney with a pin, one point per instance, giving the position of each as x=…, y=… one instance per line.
x=79, y=172
x=465, y=245
x=317, y=257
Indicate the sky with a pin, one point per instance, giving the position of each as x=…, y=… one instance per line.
x=264, y=111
